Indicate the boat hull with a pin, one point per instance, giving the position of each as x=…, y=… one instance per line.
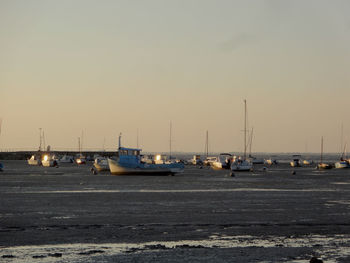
x=241, y=166
x=342, y=164
x=101, y=168
x=49, y=163
x=34, y=162
x=144, y=169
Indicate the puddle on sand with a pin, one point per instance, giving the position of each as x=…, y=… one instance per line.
x=329, y=247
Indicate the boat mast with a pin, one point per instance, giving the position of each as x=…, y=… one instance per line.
x=321, y=149
x=44, y=141
x=137, y=138
x=250, y=142
x=207, y=144
x=79, y=149
x=170, y=141
x=245, y=129
x=40, y=139
x=341, y=138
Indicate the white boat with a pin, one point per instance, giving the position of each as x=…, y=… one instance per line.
x=49, y=160
x=209, y=160
x=242, y=164
x=342, y=164
x=101, y=164
x=66, y=159
x=223, y=161
x=196, y=160
x=35, y=159
x=296, y=162
x=129, y=163
x=255, y=160
x=251, y=158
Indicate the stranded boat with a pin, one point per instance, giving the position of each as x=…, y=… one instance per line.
x=49, y=160
x=223, y=161
x=242, y=164
x=296, y=162
x=129, y=163
x=35, y=159
x=101, y=164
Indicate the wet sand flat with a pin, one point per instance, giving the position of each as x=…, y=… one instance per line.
x=68, y=214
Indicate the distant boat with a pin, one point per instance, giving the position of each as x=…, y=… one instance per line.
x=66, y=159
x=196, y=160
x=344, y=162
x=271, y=161
x=101, y=164
x=223, y=161
x=35, y=159
x=323, y=165
x=296, y=161
x=209, y=160
x=252, y=158
x=129, y=163
x=308, y=162
x=80, y=159
x=241, y=164
x=49, y=160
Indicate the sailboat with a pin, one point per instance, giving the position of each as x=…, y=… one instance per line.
x=241, y=164
x=323, y=165
x=80, y=159
x=344, y=162
x=253, y=159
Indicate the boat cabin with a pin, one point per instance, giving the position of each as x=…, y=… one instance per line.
x=129, y=155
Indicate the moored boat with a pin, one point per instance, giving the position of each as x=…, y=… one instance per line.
x=223, y=161
x=101, y=164
x=49, y=160
x=35, y=159
x=296, y=162
x=66, y=159
x=129, y=163
x=342, y=164
x=242, y=164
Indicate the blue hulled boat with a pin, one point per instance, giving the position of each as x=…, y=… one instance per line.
x=129, y=163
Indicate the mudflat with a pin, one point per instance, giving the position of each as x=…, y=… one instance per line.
x=67, y=214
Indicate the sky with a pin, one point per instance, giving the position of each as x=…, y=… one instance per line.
x=100, y=68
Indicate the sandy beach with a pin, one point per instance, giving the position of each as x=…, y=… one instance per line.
x=203, y=215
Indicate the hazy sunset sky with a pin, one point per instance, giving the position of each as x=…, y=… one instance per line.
x=105, y=67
